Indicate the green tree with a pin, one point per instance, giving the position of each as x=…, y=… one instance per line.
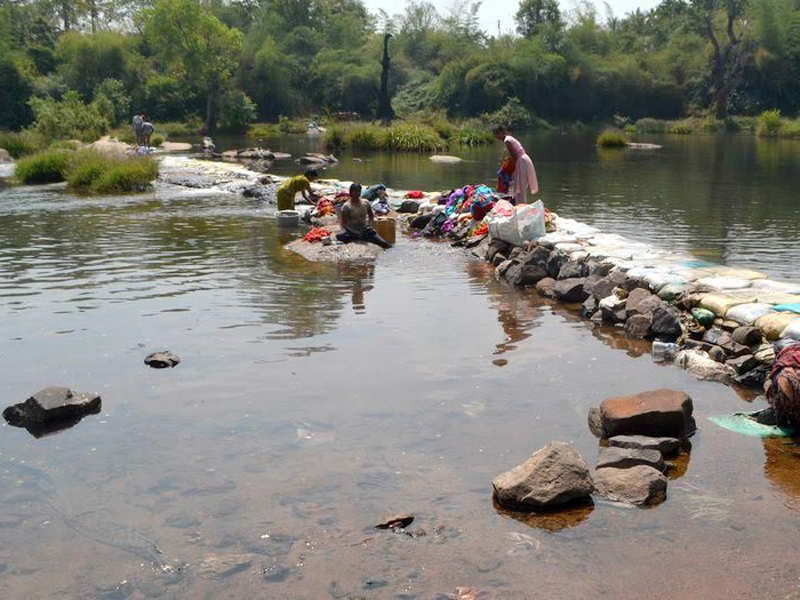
x=189, y=39
x=534, y=15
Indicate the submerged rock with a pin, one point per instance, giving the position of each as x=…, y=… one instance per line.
x=400, y=521
x=638, y=485
x=50, y=405
x=162, y=360
x=657, y=413
x=668, y=446
x=624, y=458
x=552, y=476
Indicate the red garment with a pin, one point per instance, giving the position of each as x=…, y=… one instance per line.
x=415, y=195
x=325, y=207
x=788, y=357
x=478, y=211
x=786, y=368
x=317, y=234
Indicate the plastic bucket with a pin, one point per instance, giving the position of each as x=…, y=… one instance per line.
x=386, y=228
x=288, y=218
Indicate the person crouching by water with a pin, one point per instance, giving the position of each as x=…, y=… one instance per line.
x=358, y=220
x=783, y=386
x=524, y=175
x=289, y=188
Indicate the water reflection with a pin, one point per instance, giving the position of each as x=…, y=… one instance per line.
x=782, y=468
x=552, y=521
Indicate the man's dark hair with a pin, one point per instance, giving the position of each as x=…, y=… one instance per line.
x=499, y=129
x=355, y=187
x=311, y=173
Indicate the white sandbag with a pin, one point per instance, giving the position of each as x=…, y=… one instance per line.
x=747, y=314
x=569, y=247
x=792, y=331
x=786, y=287
x=516, y=224
x=530, y=221
x=703, y=367
x=549, y=240
x=725, y=283
x=658, y=279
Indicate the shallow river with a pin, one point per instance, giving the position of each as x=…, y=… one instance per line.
x=311, y=401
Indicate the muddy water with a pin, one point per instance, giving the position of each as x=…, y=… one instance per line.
x=311, y=401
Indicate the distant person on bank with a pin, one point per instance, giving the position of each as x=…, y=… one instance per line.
x=138, y=120
x=289, y=189
x=147, y=131
x=523, y=178
x=358, y=220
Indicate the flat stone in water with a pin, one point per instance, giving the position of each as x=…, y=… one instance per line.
x=668, y=446
x=624, y=458
x=161, y=360
x=637, y=485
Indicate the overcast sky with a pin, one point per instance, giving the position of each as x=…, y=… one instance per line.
x=493, y=11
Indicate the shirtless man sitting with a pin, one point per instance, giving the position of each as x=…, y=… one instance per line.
x=358, y=220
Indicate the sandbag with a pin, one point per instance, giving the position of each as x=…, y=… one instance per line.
x=768, y=297
x=530, y=221
x=747, y=314
x=777, y=286
x=793, y=307
x=748, y=274
x=725, y=283
x=658, y=279
x=792, y=330
x=719, y=304
x=516, y=225
x=774, y=324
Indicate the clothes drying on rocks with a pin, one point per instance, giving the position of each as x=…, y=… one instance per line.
x=317, y=234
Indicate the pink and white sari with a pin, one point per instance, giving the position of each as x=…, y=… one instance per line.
x=524, y=171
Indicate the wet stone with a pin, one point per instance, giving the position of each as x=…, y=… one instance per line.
x=555, y=262
x=754, y=378
x=657, y=413
x=572, y=269
x=162, y=360
x=570, y=290
x=52, y=404
x=637, y=297
x=595, y=422
x=399, y=521
x=743, y=364
x=553, y=476
x=545, y=287
x=716, y=336
x=668, y=446
x=501, y=269
x=666, y=322
x=537, y=256
x=638, y=485
x=718, y=354
x=499, y=259
x=624, y=458
x=638, y=326
x=589, y=306
x=603, y=288
x=735, y=350
x=525, y=275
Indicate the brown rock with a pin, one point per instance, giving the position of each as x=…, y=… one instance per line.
x=746, y=336
x=552, y=476
x=636, y=298
x=668, y=446
x=545, y=287
x=639, y=485
x=656, y=413
x=625, y=458
x=638, y=326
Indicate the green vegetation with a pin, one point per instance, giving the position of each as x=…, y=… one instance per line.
x=430, y=135
x=80, y=69
x=612, y=138
x=48, y=166
x=88, y=171
x=769, y=123
x=20, y=144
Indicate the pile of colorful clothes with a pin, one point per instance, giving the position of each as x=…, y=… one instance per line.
x=459, y=213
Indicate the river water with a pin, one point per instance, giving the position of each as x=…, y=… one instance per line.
x=311, y=401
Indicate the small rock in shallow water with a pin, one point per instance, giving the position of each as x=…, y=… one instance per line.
x=637, y=485
x=552, y=476
x=570, y=290
x=161, y=360
x=400, y=521
x=624, y=458
x=658, y=413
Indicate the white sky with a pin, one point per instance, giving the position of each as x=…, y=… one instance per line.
x=503, y=10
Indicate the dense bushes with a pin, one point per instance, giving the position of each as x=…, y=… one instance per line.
x=69, y=118
x=410, y=136
x=20, y=143
x=612, y=138
x=88, y=171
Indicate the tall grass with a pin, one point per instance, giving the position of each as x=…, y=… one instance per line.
x=21, y=143
x=769, y=123
x=413, y=136
x=49, y=166
x=89, y=171
x=612, y=138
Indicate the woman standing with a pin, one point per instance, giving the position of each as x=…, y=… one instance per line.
x=524, y=177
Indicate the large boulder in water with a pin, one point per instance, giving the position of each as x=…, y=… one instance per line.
x=553, y=476
x=656, y=413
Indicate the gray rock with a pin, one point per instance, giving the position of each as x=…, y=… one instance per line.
x=545, y=287
x=638, y=296
x=611, y=307
x=663, y=412
x=552, y=476
x=716, y=336
x=638, y=326
x=162, y=360
x=624, y=458
x=515, y=252
x=572, y=269
x=600, y=268
x=499, y=259
x=754, y=378
x=536, y=256
x=639, y=485
x=666, y=322
x=743, y=364
x=595, y=422
x=603, y=288
x=746, y=336
x=588, y=284
x=570, y=290
x=409, y=206
x=555, y=262
x=735, y=350
x=718, y=354
x=668, y=446
x=525, y=275
x=589, y=306
x=501, y=269
x=497, y=246
x=50, y=405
